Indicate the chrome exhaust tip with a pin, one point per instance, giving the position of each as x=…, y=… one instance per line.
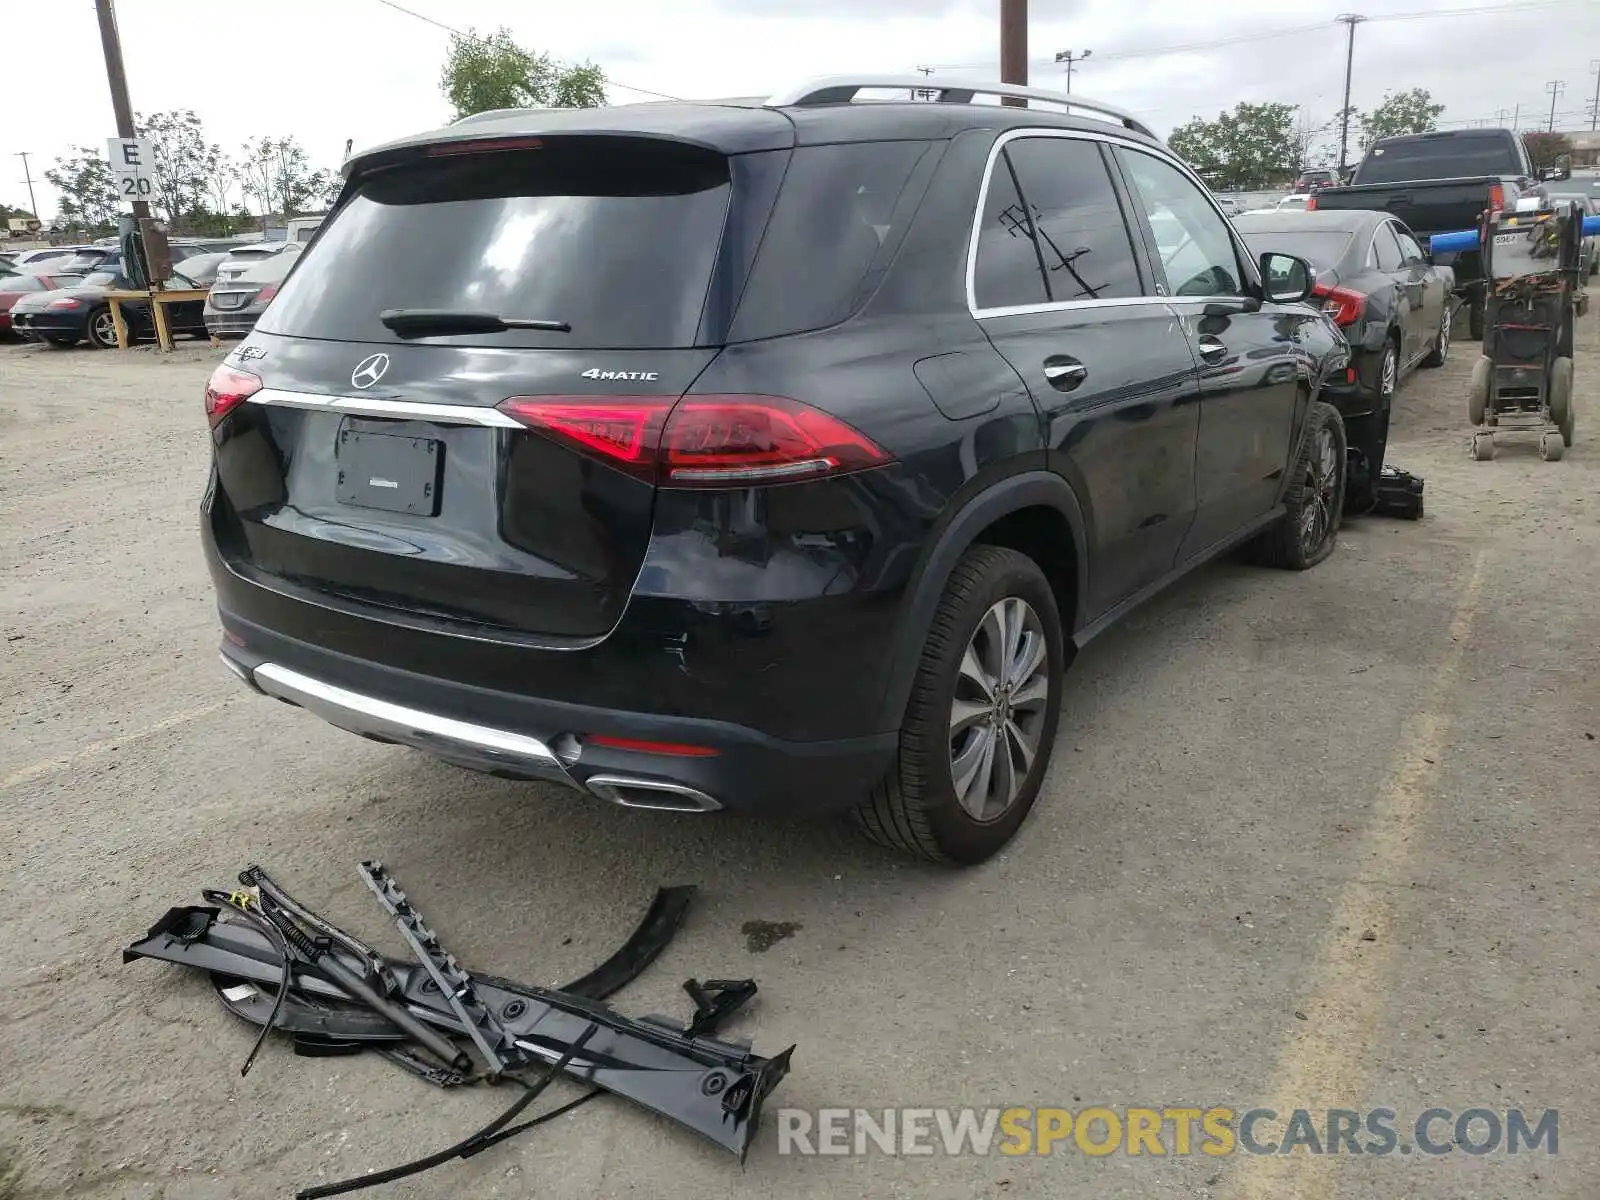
x=627, y=791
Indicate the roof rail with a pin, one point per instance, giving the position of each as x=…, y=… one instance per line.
x=841, y=89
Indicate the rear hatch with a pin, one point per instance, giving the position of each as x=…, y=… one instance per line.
x=395, y=467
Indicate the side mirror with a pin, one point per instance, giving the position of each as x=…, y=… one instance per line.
x=1286, y=278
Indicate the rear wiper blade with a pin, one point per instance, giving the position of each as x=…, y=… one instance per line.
x=434, y=322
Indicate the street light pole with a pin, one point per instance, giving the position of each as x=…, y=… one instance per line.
x=1069, y=57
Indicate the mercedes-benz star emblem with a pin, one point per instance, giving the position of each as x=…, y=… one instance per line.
x=369, y=370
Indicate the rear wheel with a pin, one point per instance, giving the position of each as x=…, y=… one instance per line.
x=1309, y=529
x=1475, y=320
x=981, y=723
x=1441, y=344
x=102, y=329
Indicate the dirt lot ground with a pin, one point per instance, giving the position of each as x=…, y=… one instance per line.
x=1320, y=840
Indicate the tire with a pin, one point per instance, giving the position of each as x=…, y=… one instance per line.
x=1551, y=447
x=917, y=808
x=1560, y=395
x=1475, y=320
x=1441, y=344
x=1569, y=427
x=101, y=330
x=65, y=342
x=1308, y=532
x=1478, y=390
x=1389, y=372
x=1483, y=447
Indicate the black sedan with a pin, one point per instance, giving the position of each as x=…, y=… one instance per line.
x=1391, y=303
x=69, y=315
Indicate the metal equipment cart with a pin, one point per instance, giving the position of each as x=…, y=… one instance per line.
x=1522, y=382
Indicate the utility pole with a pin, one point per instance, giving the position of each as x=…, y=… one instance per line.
x=1350, y=20
x=33, y=205
x=1014, y=46
x=1516, y=117
x=111, y=44
x=1069, y=57
x=1555, y=87
x=1594, y=109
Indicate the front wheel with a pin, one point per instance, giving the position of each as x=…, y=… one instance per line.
x=1314, y=501
x=981, y=722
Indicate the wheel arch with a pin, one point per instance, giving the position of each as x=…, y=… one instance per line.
x=1034, y=512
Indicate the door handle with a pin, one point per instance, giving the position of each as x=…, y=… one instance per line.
x=1211, y=349
x=1063, y=373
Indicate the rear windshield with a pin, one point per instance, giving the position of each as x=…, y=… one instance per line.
x=615, y=237
x=1453, y=157
x=1322, y=248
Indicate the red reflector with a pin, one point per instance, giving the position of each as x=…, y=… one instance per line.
x=1342, y=304
x=1311, y=202
x=1349, y=374
x=676, y=749
x=228, y=388
x=703, y=441
x=232, y=638
x=484, y=146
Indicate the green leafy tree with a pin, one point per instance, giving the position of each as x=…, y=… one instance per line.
x=88, y=193
x=1400, y=113
x=278, y=175
x=1547, y=149
x=1254, y=146
x=183, y=161
x=485, y=73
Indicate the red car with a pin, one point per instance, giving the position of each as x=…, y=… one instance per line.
x=14, y=287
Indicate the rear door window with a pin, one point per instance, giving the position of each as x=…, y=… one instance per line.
x=1082, y=235
x=617, y=237
x=1387, y=249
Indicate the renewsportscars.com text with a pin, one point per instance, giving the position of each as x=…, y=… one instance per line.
x=1174, y=1131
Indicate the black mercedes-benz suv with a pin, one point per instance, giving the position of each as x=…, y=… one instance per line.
x=768, y=456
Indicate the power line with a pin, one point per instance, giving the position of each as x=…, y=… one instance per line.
x=1289, y=31
x=627, y=87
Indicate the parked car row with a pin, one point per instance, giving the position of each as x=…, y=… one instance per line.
x=77, y=308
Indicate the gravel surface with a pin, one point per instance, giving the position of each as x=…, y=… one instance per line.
x=1319, y=840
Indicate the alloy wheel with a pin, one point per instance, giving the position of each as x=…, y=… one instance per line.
x=1322, y=487
x=997, y=715
x=1391, y=371
x=1444, y=336
x=105, y=329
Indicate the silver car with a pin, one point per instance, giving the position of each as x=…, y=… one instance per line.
x=242, y=258
x=235, y=303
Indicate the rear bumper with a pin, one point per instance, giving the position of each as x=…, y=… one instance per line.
x=231, y=324
x=737, y=769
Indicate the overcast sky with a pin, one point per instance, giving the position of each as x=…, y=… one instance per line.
x=327, y=70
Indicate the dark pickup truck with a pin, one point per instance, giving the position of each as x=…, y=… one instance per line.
x=1437, y=182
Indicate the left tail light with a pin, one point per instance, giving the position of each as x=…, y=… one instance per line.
x=228, y=388
x=703, y=441
x=1344, y=305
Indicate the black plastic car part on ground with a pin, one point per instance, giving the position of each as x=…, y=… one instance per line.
x=282, y=967
x=770, y=457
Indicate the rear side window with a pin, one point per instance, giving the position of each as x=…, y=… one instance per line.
x=1388, y=250
x=835, y=225
x=617, y=237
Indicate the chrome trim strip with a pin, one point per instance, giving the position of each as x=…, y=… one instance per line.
x=427, y=731
x=605, y=787
x=373, y=406
x=1012, y=135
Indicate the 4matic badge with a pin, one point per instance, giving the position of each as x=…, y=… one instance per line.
x=597, y=373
